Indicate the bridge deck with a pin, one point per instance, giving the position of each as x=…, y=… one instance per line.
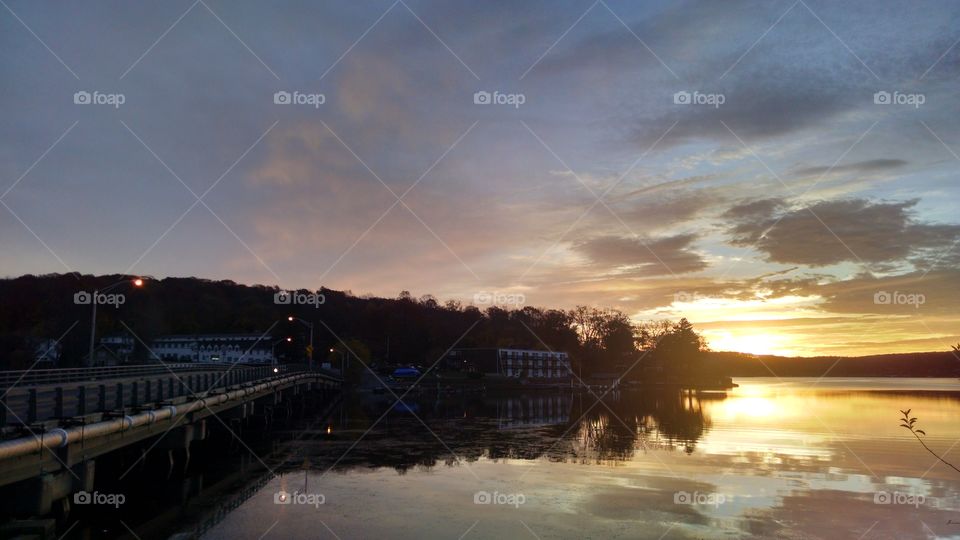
x=198, y=394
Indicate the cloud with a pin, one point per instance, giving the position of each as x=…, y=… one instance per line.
x=648, y=257
x=761, y=208
x=870, y=166
x=667, y=211
x=831, y=232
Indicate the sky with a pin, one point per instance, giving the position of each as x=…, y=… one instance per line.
x=782, y=173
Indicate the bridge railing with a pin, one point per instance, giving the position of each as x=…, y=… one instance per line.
x=38, y=377
x=37, y=395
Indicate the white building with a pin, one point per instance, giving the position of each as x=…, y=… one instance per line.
x=215, y=348
x=519, y=363
x=536, y=364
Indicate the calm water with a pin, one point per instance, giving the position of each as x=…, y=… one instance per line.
x=795, y=458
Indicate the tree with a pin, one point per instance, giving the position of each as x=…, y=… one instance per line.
x=606, y=338
x=356, y=358
x=677, y=348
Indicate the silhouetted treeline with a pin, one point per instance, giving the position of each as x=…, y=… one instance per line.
x=474, y=427
x=401, y=330
x=924, y=364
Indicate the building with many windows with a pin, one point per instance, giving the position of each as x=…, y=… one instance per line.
x=213, y=348
x=518, y=363
x=252, y=348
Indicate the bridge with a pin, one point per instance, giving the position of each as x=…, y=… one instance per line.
x=55, y=423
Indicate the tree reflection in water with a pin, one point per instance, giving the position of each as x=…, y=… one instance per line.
x=425, y=430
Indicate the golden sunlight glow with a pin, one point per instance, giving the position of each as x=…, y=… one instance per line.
x=754, y=406
x=750, y=341
x=703, y=311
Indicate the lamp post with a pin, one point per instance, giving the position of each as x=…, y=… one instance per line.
x=136, y=282
x=342, y=358
x=309, y=325
x=273, y=348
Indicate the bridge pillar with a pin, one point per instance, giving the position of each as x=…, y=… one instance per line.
x=181, y=437
x=39, y=494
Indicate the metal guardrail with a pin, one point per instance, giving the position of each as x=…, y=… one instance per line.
x=38, y=377
x=44, y=396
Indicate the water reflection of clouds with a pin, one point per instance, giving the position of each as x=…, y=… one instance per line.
x=615, y=469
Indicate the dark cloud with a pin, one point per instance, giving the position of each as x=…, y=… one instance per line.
x=830, y=232
x=760, y=208
x=651, y=257
x=870, y=166
x=667, y=211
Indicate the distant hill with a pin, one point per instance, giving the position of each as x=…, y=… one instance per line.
x=402, y=330
x=923, y=364
x=405, y=330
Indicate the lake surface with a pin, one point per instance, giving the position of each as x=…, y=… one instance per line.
x=791, y=458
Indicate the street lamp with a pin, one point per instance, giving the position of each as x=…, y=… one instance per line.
x=136, y=282
x=309, y=325
x=273, y=348
x=343, y=357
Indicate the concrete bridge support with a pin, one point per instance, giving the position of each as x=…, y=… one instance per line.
x=142, y=442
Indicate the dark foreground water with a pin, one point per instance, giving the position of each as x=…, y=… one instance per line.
x=793, y=458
